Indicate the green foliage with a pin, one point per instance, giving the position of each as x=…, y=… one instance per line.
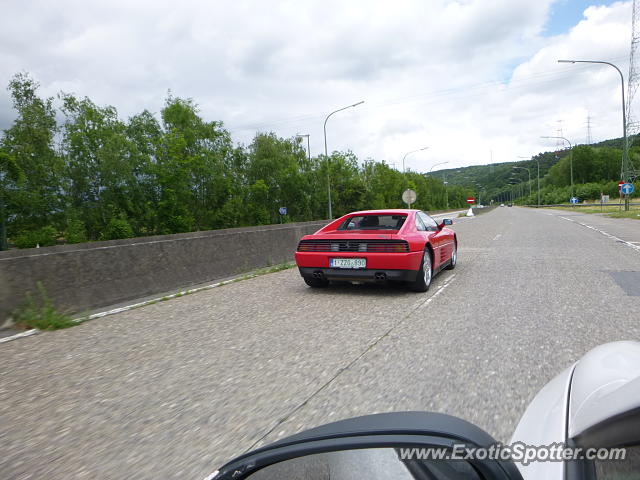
x=32, y=199
x=117, y=228
x=596, y=170
x=76, y=231
x=41, y=313
x=10, y=168
x=43, y=237
x=98, y=177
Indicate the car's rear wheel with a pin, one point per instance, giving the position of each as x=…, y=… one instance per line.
x=454, y=257
x=425, y=275
x=316, y=282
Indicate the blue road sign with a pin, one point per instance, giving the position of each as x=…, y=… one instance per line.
x=574, y=200
x=627, y=188
x=283, y=210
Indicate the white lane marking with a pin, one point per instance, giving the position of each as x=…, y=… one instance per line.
x=422, y=302
x=28, y=333
x=497, y=236
x=164, y=297
x=340, y=371
x=608, y=235
x=439, y=291
x=134, y=305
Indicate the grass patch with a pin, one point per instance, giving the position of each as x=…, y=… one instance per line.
x=256, y=273
x=613, y=211
x=41, y=313
x=630, y=214
x=264, y=271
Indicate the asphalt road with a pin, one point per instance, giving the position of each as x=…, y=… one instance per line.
x=174, y=389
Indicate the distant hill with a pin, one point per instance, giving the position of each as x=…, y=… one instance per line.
x=496, y=177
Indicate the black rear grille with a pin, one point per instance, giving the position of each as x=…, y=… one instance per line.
x=372, y=246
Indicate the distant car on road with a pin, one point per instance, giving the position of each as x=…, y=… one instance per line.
x=378, y=246
x=502, y=204
x=510, y=205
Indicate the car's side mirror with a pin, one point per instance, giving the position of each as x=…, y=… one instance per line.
x=446, y=222
x=402, y=445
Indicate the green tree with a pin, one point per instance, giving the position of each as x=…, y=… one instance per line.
x=38, y=200
x=282, y=165
x=10, y=171
x=192, y=168
x=100, y=163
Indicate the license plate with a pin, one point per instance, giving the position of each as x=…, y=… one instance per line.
x=348, y=263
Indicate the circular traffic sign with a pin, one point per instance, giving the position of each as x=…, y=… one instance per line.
x=470, y=200
x=620, y=183
x=627, y=188
x=409, y=196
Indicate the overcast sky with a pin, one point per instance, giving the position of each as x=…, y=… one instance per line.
x=473, y=80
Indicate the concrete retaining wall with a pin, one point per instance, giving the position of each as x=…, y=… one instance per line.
x=97, y=274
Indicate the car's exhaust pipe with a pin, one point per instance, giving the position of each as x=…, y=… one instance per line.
x=380, y=276
x=318, y=274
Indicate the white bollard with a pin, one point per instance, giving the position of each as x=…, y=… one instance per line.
x=470, y=212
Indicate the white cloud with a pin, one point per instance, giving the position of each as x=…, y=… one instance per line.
x=463, y=77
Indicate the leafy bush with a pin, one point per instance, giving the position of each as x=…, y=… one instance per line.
x=117, y=228
x=180, y=224
x=44, y=237
x=76, y=231
x=41, y=314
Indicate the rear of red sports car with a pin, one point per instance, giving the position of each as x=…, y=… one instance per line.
x=369, y=246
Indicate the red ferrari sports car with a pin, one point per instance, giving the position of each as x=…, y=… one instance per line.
x=377, y=246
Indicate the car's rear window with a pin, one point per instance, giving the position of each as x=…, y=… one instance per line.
x=373, y=222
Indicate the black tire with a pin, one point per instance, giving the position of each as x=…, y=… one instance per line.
x=425, y=274
x=454, y=257
x=315, y=282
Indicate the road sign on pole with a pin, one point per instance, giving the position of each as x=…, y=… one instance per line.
x=620, y=183
x=574, y=200
x=283, y=210
x=470, y=200
x=409, y=196
x=627, y=188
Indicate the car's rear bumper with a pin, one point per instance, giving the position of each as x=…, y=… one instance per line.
x=375, y=261
x=359, y=274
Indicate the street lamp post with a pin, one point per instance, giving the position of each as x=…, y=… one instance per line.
x=570, y=157
x=523, y=168
x=538, y=162
x=625, y=145
x=308, y=147
x=409, y=153
x=434, y=166
x=513, y=193
x=446, y=193
x=326, y=153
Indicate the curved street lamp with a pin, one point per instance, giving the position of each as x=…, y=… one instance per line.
x=409, y=153
x=570, y=157
x=538, y=162
x=326, y=154
x=625, y=145
x=441, y=163
x=523, y=168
